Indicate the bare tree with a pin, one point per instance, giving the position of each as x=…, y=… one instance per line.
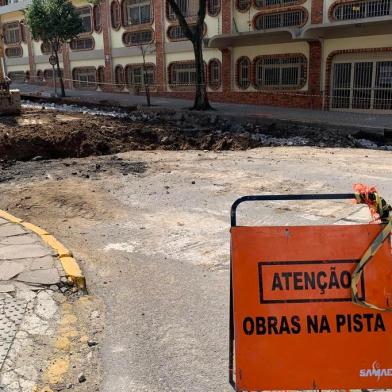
x=195, y=35
x=144, y=50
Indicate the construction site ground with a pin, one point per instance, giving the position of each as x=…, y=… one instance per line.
x=144, y=204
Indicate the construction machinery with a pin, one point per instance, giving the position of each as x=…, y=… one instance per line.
x=9, y=99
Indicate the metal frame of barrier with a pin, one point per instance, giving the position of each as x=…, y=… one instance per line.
x=236, y=204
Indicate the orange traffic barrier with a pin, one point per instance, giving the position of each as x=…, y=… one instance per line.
x=294, y=321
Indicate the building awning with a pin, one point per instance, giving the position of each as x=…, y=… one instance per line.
x=275, y=36
x=350, y=28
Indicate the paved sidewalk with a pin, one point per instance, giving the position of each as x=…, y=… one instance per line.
x=31, y=285
x=335, y=118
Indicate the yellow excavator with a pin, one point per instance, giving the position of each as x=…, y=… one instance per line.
x=9, y=99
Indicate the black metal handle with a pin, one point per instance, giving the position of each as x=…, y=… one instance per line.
x=325, y=196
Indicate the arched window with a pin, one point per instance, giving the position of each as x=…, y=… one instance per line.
x=97, y=18
x=84, y=14
x=12, y=33
x=242, y=5
x=46, y=48
x=274, y=20
x=131, y=38
x=85, y=78
x=14, y=51
x=182, y=74
x=243, y=73
x=48, y=75
x=39, y=76
x=214, y=7
x=176, y=33
x=86, y=43
x=361, y=9
x=101, y=75
x=275, y=3
x=115, y=15
x=280, y=72
x=214, y=74
x=137, y=12
x=189, y=8
x=119, y=77
x=137, y=77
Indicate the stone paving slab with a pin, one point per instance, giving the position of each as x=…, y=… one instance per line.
x=28, y=267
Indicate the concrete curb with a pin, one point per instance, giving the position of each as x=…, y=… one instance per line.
x=69, y=264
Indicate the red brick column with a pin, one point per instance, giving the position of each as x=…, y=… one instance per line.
x=31, y=52
x=227, y=72
x=160, y=71
x=106, y=26
x=314, y=81
x=227, y=17
x=67, y=67
x=317, y=11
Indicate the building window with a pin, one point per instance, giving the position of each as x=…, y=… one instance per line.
x=242, y=5
x=115, y=15
x=362, y=9
x=46, y=48
x=39, y=76
x=141, y=37
x=276, y=20
x=275, y=3
x=189, y=8
x=280, y=72
x=177, y=33
x=137, y=12
x=97, y=18
x=243, y=72
x=14, y=51
x=17, y=76
x=137, y=78
x=119, y=77
x=82, y=44
x=214, y=73
x=214, y=7
x=12, y=33
x=101, y=75
x=85, y=78
x=48, y=74
x=362, y=84
x=182, y=74
x=84, y=14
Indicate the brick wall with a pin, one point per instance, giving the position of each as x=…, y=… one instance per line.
x=30, y=50
x=159, y=17
x=314, y=75
x=317, y=11
x=106, y=26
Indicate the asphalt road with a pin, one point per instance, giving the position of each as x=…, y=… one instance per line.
x=155, y=245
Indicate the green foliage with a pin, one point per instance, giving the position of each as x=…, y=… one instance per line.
x=53, y=21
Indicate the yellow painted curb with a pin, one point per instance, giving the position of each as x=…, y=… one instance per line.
x=69, y=264
x=9, y=217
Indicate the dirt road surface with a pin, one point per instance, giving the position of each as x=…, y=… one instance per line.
x=151, y=230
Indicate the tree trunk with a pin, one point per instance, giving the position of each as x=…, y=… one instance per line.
x=146, y=87
x=59, y=74
x=201, y=97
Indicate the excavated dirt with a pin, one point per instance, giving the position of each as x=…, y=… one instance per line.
x=49, y=134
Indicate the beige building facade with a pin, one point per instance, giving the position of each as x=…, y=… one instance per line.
x=329, y=54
